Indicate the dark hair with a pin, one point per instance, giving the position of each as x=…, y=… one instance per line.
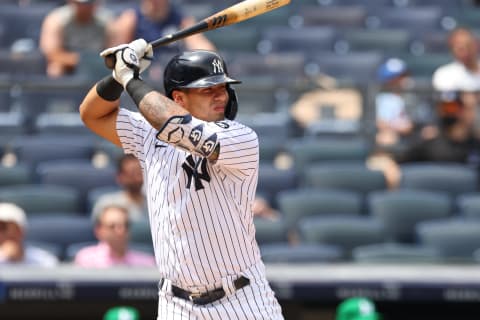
x=449, y=105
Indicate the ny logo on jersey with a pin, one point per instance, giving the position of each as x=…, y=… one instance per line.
x=191, y=168
x=217, y=66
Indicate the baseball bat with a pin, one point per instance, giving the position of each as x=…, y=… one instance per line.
x=234, y=14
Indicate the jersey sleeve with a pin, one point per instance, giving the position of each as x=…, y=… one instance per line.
x=132, y=129
x=236, y=144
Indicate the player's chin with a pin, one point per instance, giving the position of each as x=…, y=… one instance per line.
x=219, y=113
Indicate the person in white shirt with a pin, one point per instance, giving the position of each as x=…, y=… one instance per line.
x=462, y=74
x=13, y=250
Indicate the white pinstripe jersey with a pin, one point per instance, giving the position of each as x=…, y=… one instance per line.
x=200, y=212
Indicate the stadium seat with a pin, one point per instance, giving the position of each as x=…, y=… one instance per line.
x=415, y=19
x=34, y=149
x=368, y=4
x=18, y=174
x=345, y=232
x=445, y=4
x=111, y=151
x=401, y=210
x=61, y=124
x=282, y=67
x=350, y=67
x=423, y=66
x=452, y=178
x=272, y=130
x=469, y=205
x=455, y=239
x=336, y=16
x=302, y=253
x=259, y=96
x=21, y=23
x=246, y=39
x=395, y=253
x=299, y=203
x=428, y=43
x=306, y=40
x=12, y=125
x=61, y=230
x=140, y=232
x=80, y=175
x=40, y=199
x=270, y=231
x=388, y=41
x=467, y=17
x=356, y=177
x=272, y=180
x=476, y=255
x=306, y=151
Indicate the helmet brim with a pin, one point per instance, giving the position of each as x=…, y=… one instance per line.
x=211, y=81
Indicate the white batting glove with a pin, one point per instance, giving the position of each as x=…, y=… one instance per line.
x=128, y=65
x=144, y=50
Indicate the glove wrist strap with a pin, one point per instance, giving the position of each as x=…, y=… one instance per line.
x=109, y=89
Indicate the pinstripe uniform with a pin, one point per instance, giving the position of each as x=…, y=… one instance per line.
x=200, y=213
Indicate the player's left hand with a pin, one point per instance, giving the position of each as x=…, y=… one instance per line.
x=128, y=64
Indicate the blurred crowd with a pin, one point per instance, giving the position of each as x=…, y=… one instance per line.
x=441, y=127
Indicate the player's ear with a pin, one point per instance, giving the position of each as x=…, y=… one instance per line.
x=179, y=97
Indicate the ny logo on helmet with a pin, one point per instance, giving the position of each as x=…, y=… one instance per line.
x=217, y=66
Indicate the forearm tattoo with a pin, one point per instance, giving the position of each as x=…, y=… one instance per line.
x=157, y=109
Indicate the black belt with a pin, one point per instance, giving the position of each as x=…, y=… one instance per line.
x=208, y=296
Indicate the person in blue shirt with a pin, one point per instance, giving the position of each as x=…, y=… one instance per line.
x=153, y=19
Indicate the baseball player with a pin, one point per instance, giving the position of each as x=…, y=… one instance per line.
x=200, y=170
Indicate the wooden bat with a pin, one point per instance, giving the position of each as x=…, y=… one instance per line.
x=234, y=14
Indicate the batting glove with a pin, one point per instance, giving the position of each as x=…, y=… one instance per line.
x=128, y=65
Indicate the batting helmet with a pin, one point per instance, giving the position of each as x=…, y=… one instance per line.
x=199, y=69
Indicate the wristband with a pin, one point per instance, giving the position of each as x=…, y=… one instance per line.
x=137, y=89
x=109, y=89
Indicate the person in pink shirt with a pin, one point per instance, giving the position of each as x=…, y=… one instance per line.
x=112, y=232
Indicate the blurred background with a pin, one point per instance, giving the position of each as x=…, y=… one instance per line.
x=368, y=182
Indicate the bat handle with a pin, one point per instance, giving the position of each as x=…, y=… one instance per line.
x=110, y=61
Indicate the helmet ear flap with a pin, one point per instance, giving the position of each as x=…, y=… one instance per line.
x=232, y=106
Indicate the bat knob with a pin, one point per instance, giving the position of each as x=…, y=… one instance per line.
x=110, y=61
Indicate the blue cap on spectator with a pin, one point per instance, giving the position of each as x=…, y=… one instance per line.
x=391, y=69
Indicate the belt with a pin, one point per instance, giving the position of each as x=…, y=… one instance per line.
x=202, y=298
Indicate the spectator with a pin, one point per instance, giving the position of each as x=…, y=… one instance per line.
x=392, y=117
x=112, y=232
x=152, y=19
x=455, y=139
x=462, y=74
x=262, y=209
x=72, y=33
x=130, y=179
x=13, y=250
x=357, y=308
